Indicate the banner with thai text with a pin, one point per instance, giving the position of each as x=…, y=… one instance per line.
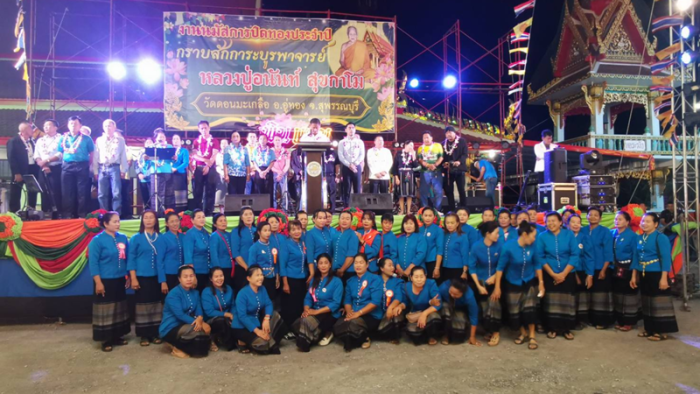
x=278, y=72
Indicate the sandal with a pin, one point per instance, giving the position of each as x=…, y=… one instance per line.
x=157, y=341
x=488, y=336
x=213, y=347
x=242, y=348
x=520, y=340
x=367, y=344
x=643, y=334
x=552, y=334
x=121, y=342
x=600, y=327
x=495, y=339
x=624, y=328
x=179, y=353
x=432, y=342
x=145, y=342
x=533, y=344
x=540, y=329
x=107, y=347
x=568, y=336
x=445, y=340
x=657, y=338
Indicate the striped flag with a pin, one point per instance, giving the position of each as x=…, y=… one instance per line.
x=661, y=88
x=516, y=85
x=659, y=107
x=663, y=98
x=524, y=37
x=528, y=5
x=516, y=90
x=517, y=64
x=516, y=115
x=674, y=138
x=660, y=66
x=520, y=28
x=665, y=22
x=521, y=49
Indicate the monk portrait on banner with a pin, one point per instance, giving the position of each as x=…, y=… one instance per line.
x=354, y=56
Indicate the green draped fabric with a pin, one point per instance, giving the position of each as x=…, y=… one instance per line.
x=47, y=280
x=46, y=253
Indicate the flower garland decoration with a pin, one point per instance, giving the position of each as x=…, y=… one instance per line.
x=92, y=221
x=185, y=221
x=264, y=215
x=356, y=214
x=567, y=207
x=10, y=226
x=419, y=216
x=636, y=212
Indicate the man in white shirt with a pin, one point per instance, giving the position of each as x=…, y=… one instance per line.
x=110, y=166
x=351, y=152
x=49, y=159
x=314, y=134
x=545, y=146
x=379, y=162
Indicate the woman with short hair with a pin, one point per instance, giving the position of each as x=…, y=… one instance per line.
x=392, y=302
x=626, y=300
x=482, y=263
x=218, y=305
x=422, y=300
x=196, y=249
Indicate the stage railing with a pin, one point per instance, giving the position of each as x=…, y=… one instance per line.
x=630, y=143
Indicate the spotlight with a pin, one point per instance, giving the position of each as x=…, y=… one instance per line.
x=689, y=31
x=334, y=144
x=149, y=71
x=684, y=5
x=492, y=154
x=188, y=142
x=413, y=83
x=476, y=145
x=396, y=144
x=688, y=56
x=116, y=70
x=505, y=145
x=449, y=82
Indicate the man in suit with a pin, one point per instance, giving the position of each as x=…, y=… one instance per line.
x=20, y=154
x=454, y=166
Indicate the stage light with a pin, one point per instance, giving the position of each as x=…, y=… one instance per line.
x=689, y=32
x=449, y=82
x=684, y=5
x=492, y=154
x=414, y=83
x=396, y=145
x=116, y=70
x=334, y=144
x=149, y=71
x=688, y=56
x=697, y=106
x=476, y=145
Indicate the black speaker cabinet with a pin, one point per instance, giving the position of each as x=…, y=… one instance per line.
x=234, y=203
x=377, y=203
x=478, y=204
x=555, y=166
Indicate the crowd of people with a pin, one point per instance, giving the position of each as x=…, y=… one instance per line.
x=438, y=280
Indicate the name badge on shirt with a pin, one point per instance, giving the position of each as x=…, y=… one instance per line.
x=427, y=234
x=324, y=290
x=263, y=252
x=528, y=252
x=622, y=239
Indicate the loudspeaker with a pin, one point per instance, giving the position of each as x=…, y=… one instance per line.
x=377, y=203
x=478, y=204
x=235, y=202
x=555, y=166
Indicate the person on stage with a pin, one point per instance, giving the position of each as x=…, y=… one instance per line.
x=370, y=240
x=471, y=232
x=252, y=143
x=654, y=262
x=379, y=163
x=265, y=256
x=49, y=160
x=454, y=166
x=107, y=262
x=237, y=162
x=430, y=157
x=147, y=269
x=196, y=249
x=204, y=151
x=183, y=326
x=280, y=168
x=626, y=300
x=412, y=247
x=221, y=187
x=405, y=164
x=388, y=246
x=558, y=253
x=322, y=302
x=110, y=166
x=181, y=161
x=351, y=152
x=242, y=238
x=506, y=232
x=162, y=192
x=519, y=274
x=173, y=253
x=75, y=173
x=345, y=247
x=393, y=302
x=434, y=240
x=545, y=146
x=218, y=307
x=363, y=312
x=294, y=271
x=602, y=312
x=423, y=303
x=297, y=161
x=318, y=239
x=20, y=154
x=331, y=174
x=488, y=175
x=459, y=310
x=314, y=134
x=482, y=263
x=261, y=162
x=220, y=249
x=455, y=252
x=584, y=275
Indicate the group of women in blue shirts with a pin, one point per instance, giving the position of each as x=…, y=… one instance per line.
x=254, y=286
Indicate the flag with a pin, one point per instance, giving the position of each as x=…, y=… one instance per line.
x=668, y=51
x=520, y=28
x=672, y=137
x=516, y=72
x=660, y=106
x=528, y=5
x=660, y=88
x=516, y=115
x=665, y=97
x=521, y=49
x=665, y=22
x=660, y=66
x=513, y=91
x=517, y=64
x=516, y=85
x=662, y=80
x=664, y=118
x=523, y=37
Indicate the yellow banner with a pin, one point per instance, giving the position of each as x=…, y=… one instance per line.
x=668, y=51
x=516, y=72
x=662, y=80
x=521, y=49
x=520, y=28
x=663, y=98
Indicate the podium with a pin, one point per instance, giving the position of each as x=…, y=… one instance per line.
x=312, y=183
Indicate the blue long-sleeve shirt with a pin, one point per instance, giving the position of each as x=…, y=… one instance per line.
x=625, y=246
x=396, y=286
x=586, y=258
x=483, y=259
x=411, y=250
x=421, y=301
x=505, y=236
x=318, y=241
x=220, y=250
x=196, y=248
x=473, y=234
x=277, y=240
x=263, y=255
x=371, y=249
x=181, y=307
x=557, y=251
x=389, y=243
x=326, y=294
x=455, y=250
x=518, y=263
x=654, y=246
x=183, y=160
x=465, y=301
x=146, y=258
x=358, y=298
x=249, y=304
x=241, y=243
x=345, y=245
x=103, y=255
x=215, y=305
x=173, y=253
x=293, y=259
x=434, y=240
x=601, y=242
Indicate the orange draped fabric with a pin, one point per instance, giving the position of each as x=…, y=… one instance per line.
x=43, y=234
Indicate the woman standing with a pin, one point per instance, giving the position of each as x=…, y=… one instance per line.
x=411, y=247
x=434, y=240
x=370, y=240
x=294, y=273
x=221, y=178
x=654, y=251
x=242, y=238
x=146, y=267
x=404, y=164
x=455, y=251
x=523, y=280
x=584, y=275
x=628, y=304
x=423, y=302
x=183, y=325
x=180, y=164
x=506, y=232
x=172, y=249
x=265, y=257
x=276, y=239
x=256, y=326
x=107, y=261
x=483, y=259
x=602, y=310
x=363, y=297
x=217, y=304
x=345, y=247
x=458, y=304
x=321, y=307
x=220, y=248
x=472, y=233
x=196, y=248
x=392, y=302
x=558, y=253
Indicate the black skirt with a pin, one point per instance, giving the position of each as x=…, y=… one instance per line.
x=602, y=311
x=292, y=305
x=239, y=279
x=354, y=332
x=490, y=312
x=222, y=333
x=390, y=329
x=447, y=274
x=432, y=329
x=583, y=299
x=110, y=314
x=193, y=343
x=172, y=280
x=259, y=345
x=559, y=304
x=626, y=301
x=202, y=281
x=149, y=308
x=407, y=186
x=456, y=322
x=657, y=306
x=309, y=330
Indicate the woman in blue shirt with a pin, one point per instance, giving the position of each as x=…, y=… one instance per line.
x=506, y=232
x=459, y=310
x=488, y=215
x=218, y=305
x=145, y=264
x=455, y=252
x=627, y=302
x=387, y=241
x=363, y=297
x=434, y=241
x=520, y=275
x=242, y=238
x=293, y=271
x=318, y=239
x=483, y=259
x=266, y=257
x=322, y=304
x=370, y=240
x=602, y=313
x=107, y=261
x=179, y=181
x=472, y=233
x=196, y=249
x=654, y=261
x=411, y=247
x=422, y=300
x=183, y=325
x=173, y=254
x=558, y=253
x=345, y=247
x=392, y=302
x=220, y=249
x=584, y=275
x=255, y=324
x=276, y=239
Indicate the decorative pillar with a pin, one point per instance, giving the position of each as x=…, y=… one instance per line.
x=658, y=184
x=653, y=123
x=609, y=120
x=557, y=119
x=594, y=96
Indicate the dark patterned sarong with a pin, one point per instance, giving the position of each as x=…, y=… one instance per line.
x=522, y=303
x=149, y=308
x=657, y=306
x=602, y=310
x=110, y=314
x=559, y=304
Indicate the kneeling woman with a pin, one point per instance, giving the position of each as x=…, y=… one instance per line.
x=183, y=325
x=217, y=303
x=392, y=302
x=321, y=307
x=423, y=302
x=458, y=303
x=256, y=326
x=363, y=297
